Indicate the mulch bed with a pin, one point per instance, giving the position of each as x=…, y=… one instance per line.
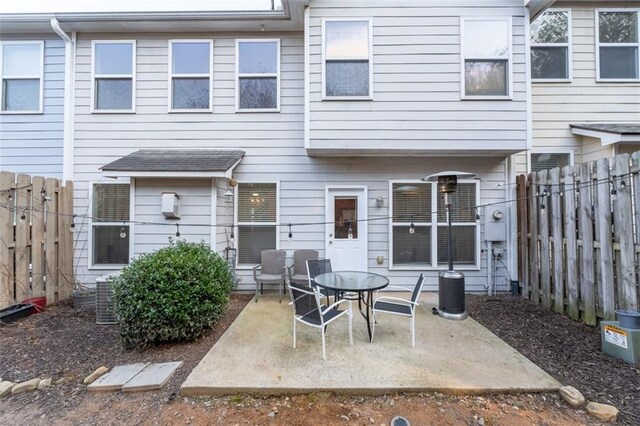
x=568, y=350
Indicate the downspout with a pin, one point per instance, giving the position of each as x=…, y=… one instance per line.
x=69, y=64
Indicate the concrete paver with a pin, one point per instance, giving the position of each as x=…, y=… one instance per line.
x=154, y=376
x=255, y=355
x=117, y=377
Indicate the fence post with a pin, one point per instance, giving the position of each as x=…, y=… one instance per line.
x=65, y=242
x=37, y=236
x=605, y=237
x=23, y=195
x=7, y=198
x=545, y=261
x=623, y=225
x=585, y=222
x=534, y=272
x=51, y=245
x=558, y=243
x=570, y=231
x=523, y=269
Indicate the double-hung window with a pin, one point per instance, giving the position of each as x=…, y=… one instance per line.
x=486, y=58
x=257, y=219
x=617, y=45
x=22, y=70
x=347, y=49
x=258, y=75
x=551, y=46
x=550, y=160
x=110, y=227
x=419, y=236
x=190, y=68
x=114, y=83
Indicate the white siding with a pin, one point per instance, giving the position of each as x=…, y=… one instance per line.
x=195, y=213
x=556, y=105
x=32, y=143
x=416, y=103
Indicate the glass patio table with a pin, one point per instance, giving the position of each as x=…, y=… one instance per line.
x=354, y=285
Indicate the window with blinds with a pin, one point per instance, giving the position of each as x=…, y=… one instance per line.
x=110, y=230
x=425, y=243
x=257, y=219
x=545, y=161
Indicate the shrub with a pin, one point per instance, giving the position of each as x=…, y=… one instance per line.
x=173, y=294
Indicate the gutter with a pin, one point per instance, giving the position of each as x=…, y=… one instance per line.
x=69, y=88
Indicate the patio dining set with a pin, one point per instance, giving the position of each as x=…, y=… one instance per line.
x=320, y=295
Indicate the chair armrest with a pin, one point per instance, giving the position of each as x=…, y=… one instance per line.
x=335, y=304
x=396, y=299
x=255, y=272
x=398, y=287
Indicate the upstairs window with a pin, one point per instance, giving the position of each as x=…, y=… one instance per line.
x=258, y=75
x=114, y=76
x=21, y=90
x=109, y=229
x=347, y=59
x=617, y=45
x=257, y=219
x=190, y=71
x=486, y=58
x=551, y=46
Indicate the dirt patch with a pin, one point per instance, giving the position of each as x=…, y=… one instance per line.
x=67, y=345
x=568, y=350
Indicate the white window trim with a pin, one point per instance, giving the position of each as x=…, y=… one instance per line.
x=90, y=264
x=550, y=151
x=236, y=224
x=509, y=58
x=434, y=229
x=597, y=33
x=40, y=77
x=568, y=45
x=132, y=76
x=264, y=75
x=369, y=58
x=171, y=75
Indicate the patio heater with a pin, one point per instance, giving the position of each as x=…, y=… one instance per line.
x=451, y=303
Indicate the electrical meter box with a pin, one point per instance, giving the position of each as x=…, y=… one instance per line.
x=170, y=205
x=495, y=225
x=620, y=342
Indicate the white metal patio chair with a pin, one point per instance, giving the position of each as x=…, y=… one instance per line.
x=399, y=306
x=308, y=310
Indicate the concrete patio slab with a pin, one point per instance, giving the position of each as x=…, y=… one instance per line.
x=256, y=356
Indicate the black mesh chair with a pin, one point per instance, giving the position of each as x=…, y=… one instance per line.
x=399, y=306
x=308, y=310
x=315, y=268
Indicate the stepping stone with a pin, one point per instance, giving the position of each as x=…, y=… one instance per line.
x=154, y=376
x=117, y=377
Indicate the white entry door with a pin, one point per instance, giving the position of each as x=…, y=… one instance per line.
x=346, y=228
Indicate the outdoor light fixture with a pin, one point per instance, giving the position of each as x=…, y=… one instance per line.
x=379, y=201
x=451, y=303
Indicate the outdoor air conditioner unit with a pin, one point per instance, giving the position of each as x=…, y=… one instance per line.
x=170, y=205
x=104, y=301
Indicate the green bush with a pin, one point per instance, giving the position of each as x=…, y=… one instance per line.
x=173, y=294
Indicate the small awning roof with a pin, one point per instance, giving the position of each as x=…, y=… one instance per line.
x=608, y=133
x=173, y=163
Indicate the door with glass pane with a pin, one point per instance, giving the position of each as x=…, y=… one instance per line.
x=346, y=228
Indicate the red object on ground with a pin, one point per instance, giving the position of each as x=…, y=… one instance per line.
x=38, y=303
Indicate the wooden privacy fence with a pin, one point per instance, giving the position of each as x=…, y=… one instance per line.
x=579, y=239
x=36, y=241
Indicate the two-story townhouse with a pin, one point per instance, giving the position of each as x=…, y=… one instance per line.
x=305, y=127
x=585, y=60
x=32, y=94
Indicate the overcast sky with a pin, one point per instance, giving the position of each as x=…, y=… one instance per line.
x=61, y=6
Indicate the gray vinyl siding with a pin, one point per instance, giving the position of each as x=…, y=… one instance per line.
x=416, y=82
x=33, y=143
x=195, y=213
x=274, y=145
x=556, y=105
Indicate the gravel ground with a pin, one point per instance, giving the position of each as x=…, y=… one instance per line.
x=568, y=350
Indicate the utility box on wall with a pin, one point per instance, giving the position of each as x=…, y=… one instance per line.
x=170, y=205
x=495, y=226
